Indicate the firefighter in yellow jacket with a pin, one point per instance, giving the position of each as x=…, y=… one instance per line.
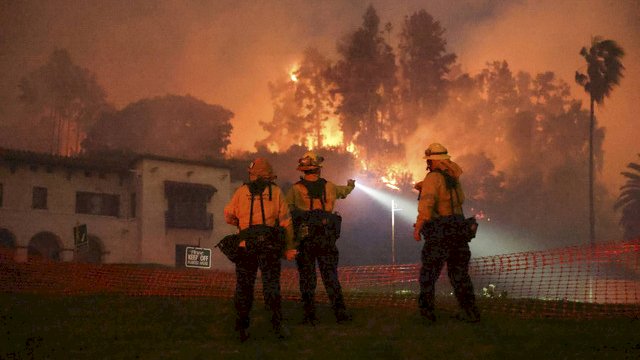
x=311, y=201
x=440, y=204
x=259, y=210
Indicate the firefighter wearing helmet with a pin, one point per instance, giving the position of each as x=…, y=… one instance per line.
x=317, y=227
x=259, y=210
x=440, y=204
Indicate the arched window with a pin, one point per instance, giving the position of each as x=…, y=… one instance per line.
x=7, y=245
x=44, y=246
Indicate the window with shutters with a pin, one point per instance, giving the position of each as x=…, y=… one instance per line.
x=97, y=204
x=187, y=205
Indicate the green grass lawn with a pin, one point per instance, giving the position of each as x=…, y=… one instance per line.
x=119, y=327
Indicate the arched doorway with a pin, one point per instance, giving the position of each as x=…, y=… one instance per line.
x=7, y=245
x=44, y=246
x=91, y=252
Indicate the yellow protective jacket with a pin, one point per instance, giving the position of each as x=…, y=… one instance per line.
x=435, y=199
x=238, y=210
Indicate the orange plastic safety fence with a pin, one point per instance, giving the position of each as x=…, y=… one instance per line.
x=575, y=282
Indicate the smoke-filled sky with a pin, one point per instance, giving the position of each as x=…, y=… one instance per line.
x=225, y=52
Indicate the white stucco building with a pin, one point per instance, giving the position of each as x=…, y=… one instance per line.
x=137, y=209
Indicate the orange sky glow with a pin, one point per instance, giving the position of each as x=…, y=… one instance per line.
x=225, y=52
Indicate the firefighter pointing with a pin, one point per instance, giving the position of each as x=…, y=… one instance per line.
x=439, y=209
x=317, y=227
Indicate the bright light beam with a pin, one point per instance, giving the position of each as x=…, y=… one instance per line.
x=491, y=239
x=409, y=208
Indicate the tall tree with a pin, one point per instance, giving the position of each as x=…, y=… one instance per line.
x=604, y=71
x=629, y=201
x=312, y=93
x=302, y=105
x=424, y=62
x=286, y=127
x=175, y=126
x=365, y=81
x=500, y=85
x=65, y=95
x=499, y=92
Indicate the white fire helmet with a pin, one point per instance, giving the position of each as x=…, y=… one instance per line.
x=436, y=151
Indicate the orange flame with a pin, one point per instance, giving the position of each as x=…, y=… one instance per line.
x=293, y=73
x=391, y=183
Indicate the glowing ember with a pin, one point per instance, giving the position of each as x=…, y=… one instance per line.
x=364, y=165
x=352, y=148
x=293, y=73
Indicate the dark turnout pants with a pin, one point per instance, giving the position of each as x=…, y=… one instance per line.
x=246, y=273
x=435, y=252
x=327, y=257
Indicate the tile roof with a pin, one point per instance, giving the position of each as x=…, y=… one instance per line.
x=120, y=162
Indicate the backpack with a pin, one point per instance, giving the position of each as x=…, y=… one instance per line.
x=316, y=224
x=455, y=227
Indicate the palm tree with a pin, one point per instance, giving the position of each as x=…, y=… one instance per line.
x=604, y=71
x=629, y=201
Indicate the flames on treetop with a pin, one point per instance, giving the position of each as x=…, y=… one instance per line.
x=392, y=172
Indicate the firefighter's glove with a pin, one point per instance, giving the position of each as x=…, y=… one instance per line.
x=351, y=183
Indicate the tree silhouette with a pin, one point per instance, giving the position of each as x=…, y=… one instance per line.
x=365, y=80
x=286, y=127
x=312, y=92
x=302, y=106
x=424, y=62
x=65, y=95
x=629, y=201
x=172, y=125
x=604, y=71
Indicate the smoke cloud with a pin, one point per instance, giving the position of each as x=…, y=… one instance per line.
x=538, y=36
x=225, y=52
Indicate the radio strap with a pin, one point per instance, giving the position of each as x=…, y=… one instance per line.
x=256, y=188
